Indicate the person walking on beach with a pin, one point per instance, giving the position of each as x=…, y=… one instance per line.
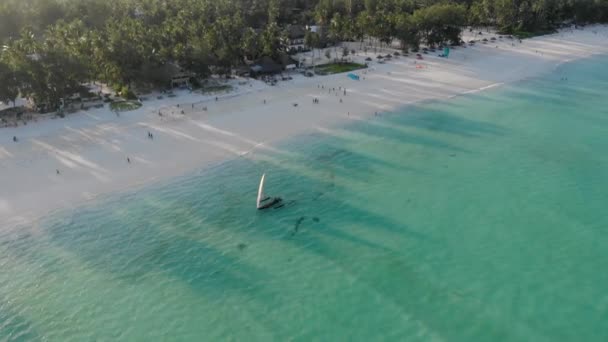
x=14, y=138
x=57, y=170
x=128, y=160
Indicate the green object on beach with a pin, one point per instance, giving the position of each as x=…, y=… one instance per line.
x=482, y=218
x=336, y=68
x=124, y=106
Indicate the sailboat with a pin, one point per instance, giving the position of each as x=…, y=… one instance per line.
x=264, y=202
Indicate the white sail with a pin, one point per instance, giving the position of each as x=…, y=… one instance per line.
x=260, y=192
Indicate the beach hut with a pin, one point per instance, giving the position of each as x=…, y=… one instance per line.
x=265, y=65
x=287, y=62
x=295, y=38
x=181, y=79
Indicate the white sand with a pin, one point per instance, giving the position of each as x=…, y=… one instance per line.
x=90, y=148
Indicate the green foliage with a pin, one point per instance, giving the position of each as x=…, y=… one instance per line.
x=335, y=68
x=9, y=86
x=406, y=31
x=124, y=106
x=440, y=23
x=53, y=46
x=127, y=93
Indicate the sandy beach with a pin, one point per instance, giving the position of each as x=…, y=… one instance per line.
x=90, y=149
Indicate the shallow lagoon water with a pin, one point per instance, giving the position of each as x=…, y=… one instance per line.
x=479, y=218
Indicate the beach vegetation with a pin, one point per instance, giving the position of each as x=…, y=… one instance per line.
x=9, y=87
x=127, y=93
x=124, y=106
x=52, y=47
x=336, y=68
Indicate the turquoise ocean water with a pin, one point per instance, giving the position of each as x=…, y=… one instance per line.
x=483, y=218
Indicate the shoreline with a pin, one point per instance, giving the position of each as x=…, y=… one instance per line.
x=90, y=148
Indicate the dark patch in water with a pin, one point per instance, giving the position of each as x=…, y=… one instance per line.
x=290, y=203
x=241, y=246
x=298, y=223
x=330, y=156
x=316, y=219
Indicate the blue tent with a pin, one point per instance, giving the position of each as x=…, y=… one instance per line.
x=353, y=77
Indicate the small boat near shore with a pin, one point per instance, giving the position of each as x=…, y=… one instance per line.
x=265, y=202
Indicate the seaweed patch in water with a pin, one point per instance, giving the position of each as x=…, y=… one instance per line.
x=330, y=156
x=315, y=219
x=241, y=246
x=299, y=222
